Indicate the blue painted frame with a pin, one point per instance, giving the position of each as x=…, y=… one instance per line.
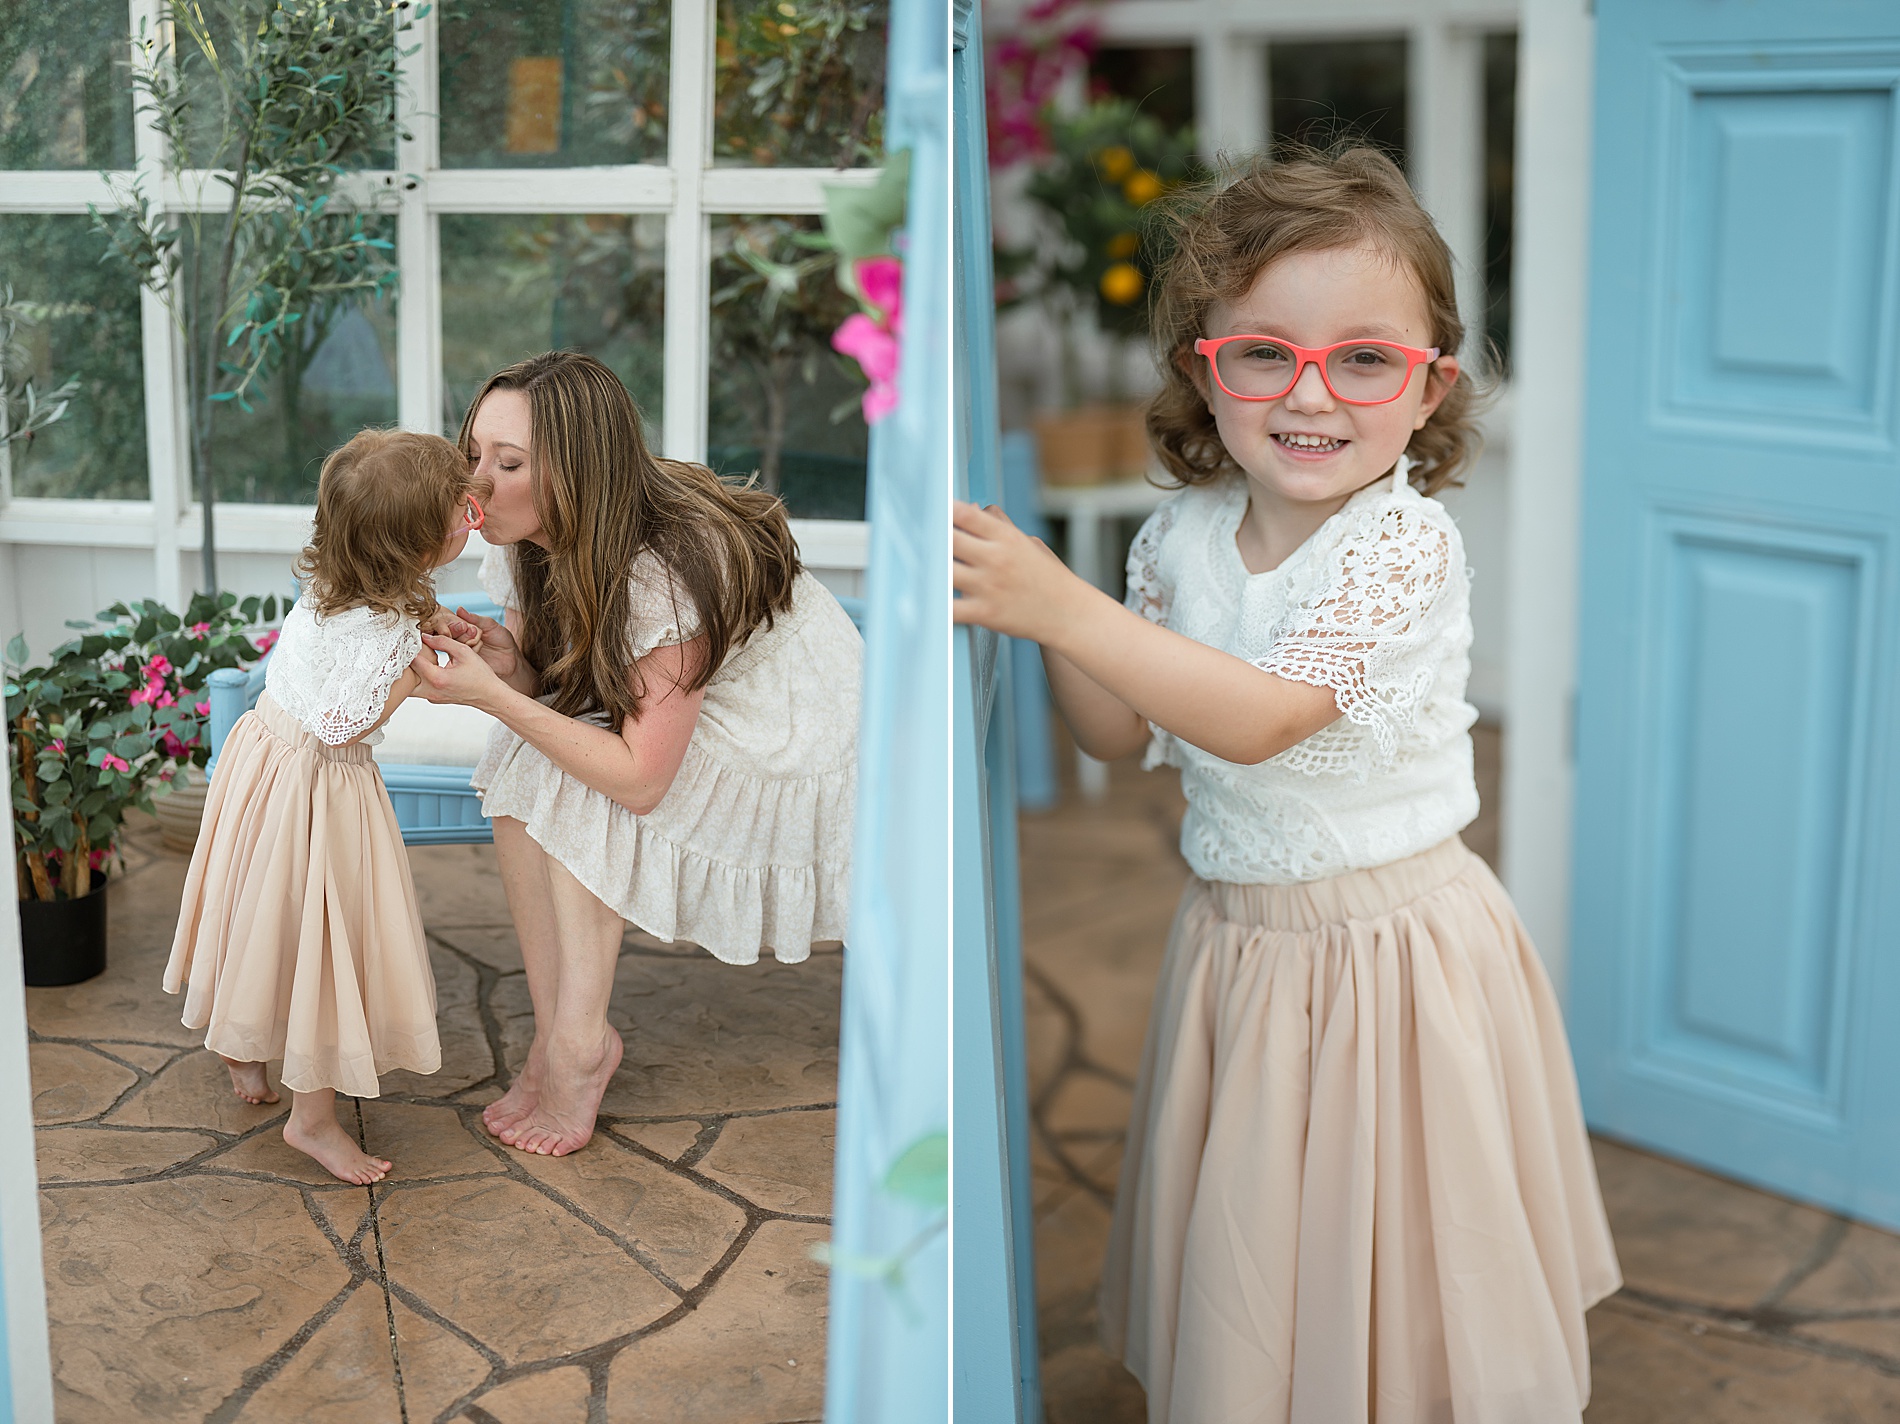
x=887, y=1353
x=998, y=1376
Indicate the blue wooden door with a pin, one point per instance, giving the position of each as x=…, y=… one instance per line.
x=1735, y=975
x=995, y=1293
x=888, y=1348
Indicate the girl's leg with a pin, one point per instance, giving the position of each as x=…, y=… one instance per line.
x=314, y=1131
x=582, y=1049
x=248, y=1081
x=524, y=876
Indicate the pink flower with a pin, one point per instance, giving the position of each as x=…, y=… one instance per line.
x=172, y=747
x=267, y=641
x=109, y=762
x=56, y=746
x=881, y=284
x=198, y=630
x=164, y=699
x=874, y=349
x=144, y=694
x=159, y=666
x=203, y=709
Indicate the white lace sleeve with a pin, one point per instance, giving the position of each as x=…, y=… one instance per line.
x=1366, y=633
x=497, y=575
x=366, y=656
x=1150, y=588
x=663, y=612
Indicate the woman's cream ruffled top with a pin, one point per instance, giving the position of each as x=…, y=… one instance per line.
x=334, y=674
x=750, y=848
x=1376, y=606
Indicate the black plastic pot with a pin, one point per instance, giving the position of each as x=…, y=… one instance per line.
x=64, y=941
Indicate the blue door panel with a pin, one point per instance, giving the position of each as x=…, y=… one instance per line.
x=1733, y=974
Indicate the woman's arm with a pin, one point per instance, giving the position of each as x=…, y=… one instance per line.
x=635, y=767
x=1206, y=697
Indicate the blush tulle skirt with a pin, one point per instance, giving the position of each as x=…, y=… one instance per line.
x=298, y=935
x=1357, y=1187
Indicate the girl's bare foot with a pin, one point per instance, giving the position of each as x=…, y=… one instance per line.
x=248, y=1081
x=521, y=1098
x=563, y=1121
x=314, y=1131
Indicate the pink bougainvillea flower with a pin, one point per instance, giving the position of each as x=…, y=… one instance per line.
x=159, y=665
x=874, y=349
x=144, y=694
x=109, y=762
x=881, y=283
x=97, y=858
x=172, y=747
x=267, y=640
x=198, y=630
x=164, y=699
x=203, y=709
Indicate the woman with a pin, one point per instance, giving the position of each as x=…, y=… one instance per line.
x=678, y=710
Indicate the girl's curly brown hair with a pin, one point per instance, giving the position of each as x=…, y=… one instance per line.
x=385, y=501
x=1217, y=240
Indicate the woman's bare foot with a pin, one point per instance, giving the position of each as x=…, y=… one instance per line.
x=563, y=1121
x=520, y=1099
x=248, y=1081
x=314, y=1131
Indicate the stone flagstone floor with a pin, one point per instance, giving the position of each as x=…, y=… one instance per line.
x=1739, y=1308
x=198, y=1269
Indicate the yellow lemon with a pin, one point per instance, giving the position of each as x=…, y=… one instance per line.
x=1116, y=163
x=1123, y=283
x=1141, y=188
x=1123, y=244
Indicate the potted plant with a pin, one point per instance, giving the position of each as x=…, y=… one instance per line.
x=276, y=102
x=1105, y=166
x=105, y=724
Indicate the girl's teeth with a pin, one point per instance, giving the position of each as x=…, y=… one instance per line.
x=1310, y=442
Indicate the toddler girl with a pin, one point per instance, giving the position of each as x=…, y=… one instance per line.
x=1357, y=1184
x=298, y=936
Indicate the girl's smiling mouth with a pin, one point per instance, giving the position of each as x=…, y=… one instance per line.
x=1309, y=447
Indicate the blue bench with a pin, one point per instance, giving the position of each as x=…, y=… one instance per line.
x=435, y=805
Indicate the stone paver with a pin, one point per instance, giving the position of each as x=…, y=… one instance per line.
x=1740, y=1307
x=197, y=1268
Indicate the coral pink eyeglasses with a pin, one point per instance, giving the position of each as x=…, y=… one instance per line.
x=474, y=516
x=1261, y=368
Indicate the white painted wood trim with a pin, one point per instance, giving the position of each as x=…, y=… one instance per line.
x=688, y=237
x=631, y=188
x=1445, y=122
x=1549, y=299
x=776, y=190
x=418, y=259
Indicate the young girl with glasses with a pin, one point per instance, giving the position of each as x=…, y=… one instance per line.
x=298, y=936
x=1357, y=1184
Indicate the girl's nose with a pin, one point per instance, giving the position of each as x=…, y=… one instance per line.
x=1309, y=392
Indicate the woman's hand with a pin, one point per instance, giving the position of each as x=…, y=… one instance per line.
x=1008, y=580
x=468, y=678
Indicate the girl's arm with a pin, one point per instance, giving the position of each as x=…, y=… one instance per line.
x=634, y=767
x=1102, y=724
x=1206, y=697
x=398, y=690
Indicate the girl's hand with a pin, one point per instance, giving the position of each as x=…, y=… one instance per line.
x=1008, y=580
x=467, y=678
x=500, y=651
x=450, y=625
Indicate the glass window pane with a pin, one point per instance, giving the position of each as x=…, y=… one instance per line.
x=92, y=334
x=1338, y=89
x=799, y=83
x=300, y=124
x=1500, y=175
x=65, y=98
x=1157, y=79
x=337, y=378
x=533, y=84
x=517, y=285
x=783, y=404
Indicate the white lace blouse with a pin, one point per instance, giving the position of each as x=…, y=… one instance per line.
x=1376, y=606
x=334, y=674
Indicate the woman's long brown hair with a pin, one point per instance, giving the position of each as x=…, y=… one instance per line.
x=603, y=498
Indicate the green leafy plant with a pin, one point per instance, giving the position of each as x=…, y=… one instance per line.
x=275, y=101
x=25, y=410
x=1107, y=165
x=107, y=721
x=800, y=81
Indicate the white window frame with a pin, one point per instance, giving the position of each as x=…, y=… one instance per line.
x=687, y=190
